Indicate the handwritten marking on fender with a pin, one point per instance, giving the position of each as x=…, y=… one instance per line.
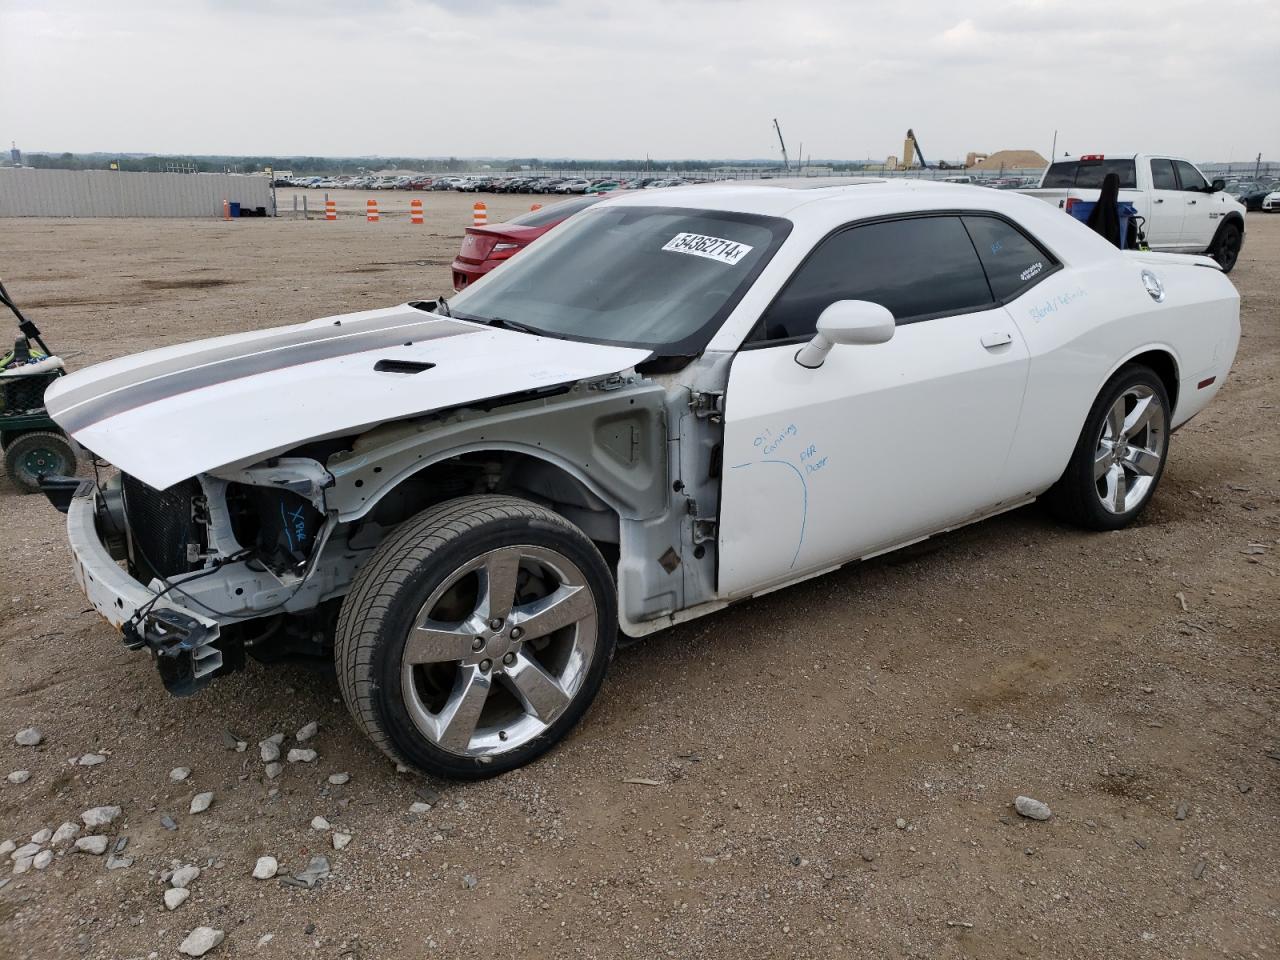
x=1055, y=303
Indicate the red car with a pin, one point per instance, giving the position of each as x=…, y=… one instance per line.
x=483, y=248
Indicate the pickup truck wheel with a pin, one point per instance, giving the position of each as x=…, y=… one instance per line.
x=1226, y=246
x=1120, y=456
x=476, y=636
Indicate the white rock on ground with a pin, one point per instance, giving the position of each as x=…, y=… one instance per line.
x=91, y=760
x=270, y=752
x=42, y=859
x=1032, y=809
x=265, y=868
x=319, y=823
x=28, y=737
x=273, y=770
x=179, y=773
x=19, y=776
x=67, y=831
x=184, y=876
x=419, y=807
x=200, y=941
x=96, y=845
x=338, y=779
x=41, y=836
x=26, y=850
x=301, y=756
x=307, y=732
x=22, y=865
x=276, y=738
x=202, y=801
x=175, y=897
x=340, y=841
x=99, y=816
x=7, y=847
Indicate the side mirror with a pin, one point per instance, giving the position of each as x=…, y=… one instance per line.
x=1219, y=186
x=846, y=321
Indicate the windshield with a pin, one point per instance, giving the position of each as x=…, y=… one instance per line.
x=660, y=278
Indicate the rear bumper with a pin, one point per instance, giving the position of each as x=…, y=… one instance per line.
x=467, y=272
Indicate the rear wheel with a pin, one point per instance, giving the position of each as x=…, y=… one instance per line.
x=28, y=456
x=1120, y=455
x=1226, y=246
x=476, y=636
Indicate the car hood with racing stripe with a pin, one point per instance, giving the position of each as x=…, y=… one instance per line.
x=169, y=414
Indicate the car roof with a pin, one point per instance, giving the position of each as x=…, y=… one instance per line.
x=817, y=207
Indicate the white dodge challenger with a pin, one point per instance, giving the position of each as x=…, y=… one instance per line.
x=675, y=401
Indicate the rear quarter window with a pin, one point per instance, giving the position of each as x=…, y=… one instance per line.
x=1013, y=261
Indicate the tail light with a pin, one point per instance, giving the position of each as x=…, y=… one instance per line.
x=501, y=251
x=1071, y=202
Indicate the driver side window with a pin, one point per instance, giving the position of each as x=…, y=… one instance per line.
x=919, y=268
x=1190, y=176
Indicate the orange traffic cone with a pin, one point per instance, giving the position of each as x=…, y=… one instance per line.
x=415, y=211
x=371, y=211
x=331, y=209
x=536, y=206
x=479, y=214
x=226, y=209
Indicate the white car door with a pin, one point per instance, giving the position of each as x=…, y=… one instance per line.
x=884, y=443
x=1168, y=207
x=1199, y=222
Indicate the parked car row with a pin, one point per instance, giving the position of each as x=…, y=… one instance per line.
x=356, y=183
x=482, y=183
x=1255, y=194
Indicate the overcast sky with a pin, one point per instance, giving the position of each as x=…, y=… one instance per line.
x=668, y=78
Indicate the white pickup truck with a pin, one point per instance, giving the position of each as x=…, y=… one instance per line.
x=1184, y=212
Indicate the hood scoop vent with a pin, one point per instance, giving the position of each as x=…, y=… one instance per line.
x=402, y=366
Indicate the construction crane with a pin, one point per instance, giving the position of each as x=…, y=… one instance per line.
x=786, y=164
x=911, y=150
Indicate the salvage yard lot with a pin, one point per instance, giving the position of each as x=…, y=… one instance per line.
x=774, y=746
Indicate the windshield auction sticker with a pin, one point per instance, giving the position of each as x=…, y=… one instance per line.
x=713, y=248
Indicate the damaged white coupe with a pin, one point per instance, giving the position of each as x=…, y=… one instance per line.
x=675, y=401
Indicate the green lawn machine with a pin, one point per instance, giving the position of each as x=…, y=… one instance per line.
x=33, y=444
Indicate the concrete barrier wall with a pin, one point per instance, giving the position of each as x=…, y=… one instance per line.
x=110, y=193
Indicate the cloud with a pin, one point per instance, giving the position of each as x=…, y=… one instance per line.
x=616, y=78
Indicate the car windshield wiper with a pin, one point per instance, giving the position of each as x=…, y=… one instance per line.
x=505, y=324
x=442, y=306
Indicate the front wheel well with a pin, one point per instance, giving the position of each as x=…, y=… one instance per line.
x=1165, y=367
x=503, y=472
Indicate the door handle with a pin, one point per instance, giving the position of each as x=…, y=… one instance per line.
x=1159, y=199
x=1190, y=203
x=993, y=340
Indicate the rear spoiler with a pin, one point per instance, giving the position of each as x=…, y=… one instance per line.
x=1172, y=259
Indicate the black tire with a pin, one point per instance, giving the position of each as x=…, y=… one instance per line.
x=402, y=575
x=1226, y=246
x=28, y=455
x=1076, y=498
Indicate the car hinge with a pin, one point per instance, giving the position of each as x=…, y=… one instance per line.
x=707, y=405
x=704, y=528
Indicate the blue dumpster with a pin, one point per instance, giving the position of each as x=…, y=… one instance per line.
x=1080, y=209
x=235, y=208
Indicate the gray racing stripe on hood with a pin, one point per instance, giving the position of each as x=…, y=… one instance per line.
x=83, y=406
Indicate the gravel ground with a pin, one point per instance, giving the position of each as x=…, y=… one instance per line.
x=828, y=771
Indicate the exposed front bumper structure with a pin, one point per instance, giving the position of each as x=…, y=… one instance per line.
x=146, y=617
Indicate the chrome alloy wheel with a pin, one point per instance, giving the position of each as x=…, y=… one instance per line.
x=1127, y=458
x=499, y=650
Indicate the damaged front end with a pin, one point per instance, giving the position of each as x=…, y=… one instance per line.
x=210, y=569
